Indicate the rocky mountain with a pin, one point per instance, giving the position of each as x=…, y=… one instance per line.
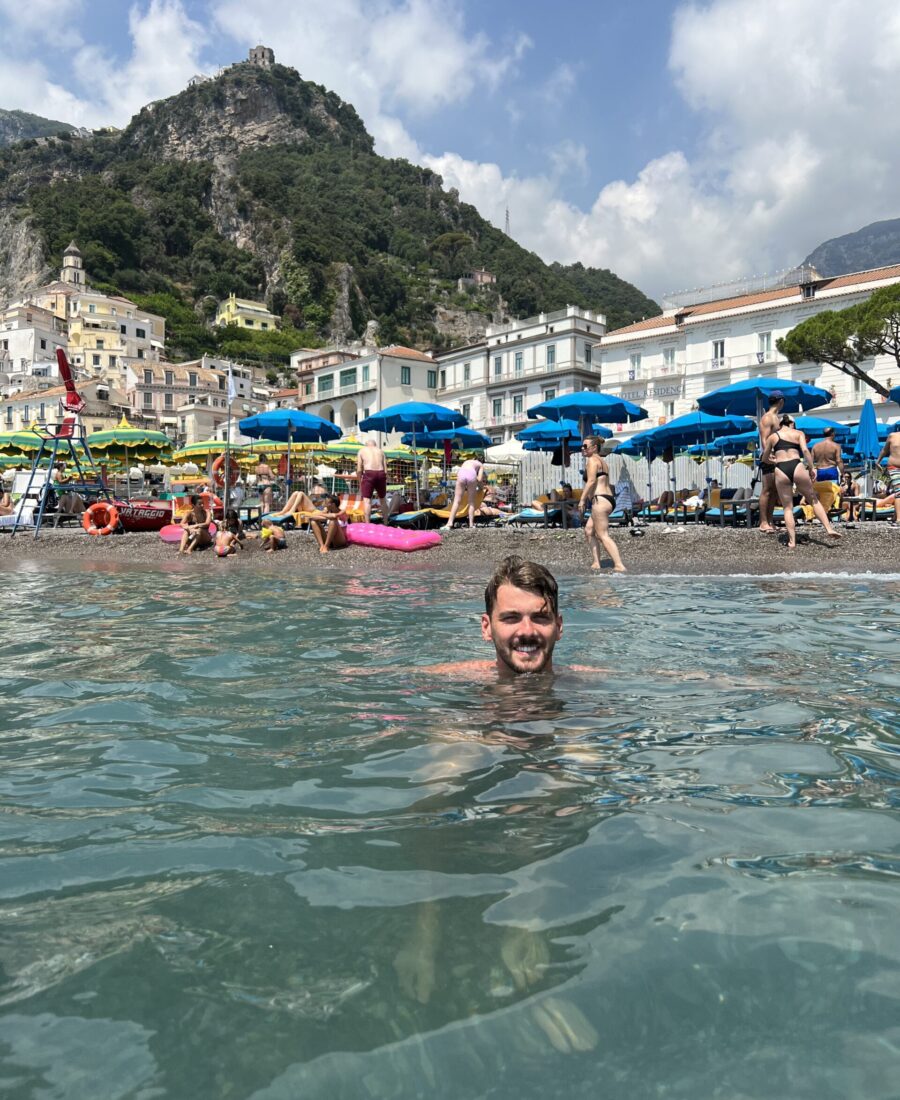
x=20, y=126
x=875, y=245
x=266, y=185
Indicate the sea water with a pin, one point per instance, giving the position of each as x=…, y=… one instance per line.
x=251, y=849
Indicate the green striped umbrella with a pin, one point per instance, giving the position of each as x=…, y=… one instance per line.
x=129, y=443
x=24, y=442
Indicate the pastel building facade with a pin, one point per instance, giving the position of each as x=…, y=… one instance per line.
x=164, y=395
x=104, y=408
x=29, y=337
x=105, y=333
x=519, y=364
x=245, y=314
x=666, y=363
x=348, y=391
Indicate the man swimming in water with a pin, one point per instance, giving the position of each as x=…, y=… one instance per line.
x=522, y=620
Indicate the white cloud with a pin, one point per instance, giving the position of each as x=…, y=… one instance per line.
x=397, y=56
x=801, y=143
x=165, y=50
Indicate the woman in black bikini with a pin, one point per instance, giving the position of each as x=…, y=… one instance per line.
x=598, y=491
x=788, y=450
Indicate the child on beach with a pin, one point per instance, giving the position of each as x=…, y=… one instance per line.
x=230, y=539
x=273, y=537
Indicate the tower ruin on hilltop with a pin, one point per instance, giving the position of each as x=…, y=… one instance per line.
x=263, y=56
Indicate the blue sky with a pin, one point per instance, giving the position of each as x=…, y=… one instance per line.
x=678, y=142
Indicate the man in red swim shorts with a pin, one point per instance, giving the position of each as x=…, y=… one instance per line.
x=370, y=468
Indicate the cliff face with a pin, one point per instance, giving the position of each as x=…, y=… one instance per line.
x=20, y=126
x=875, y=245
x=266, y=185
x=22, y=263
x=247, y=108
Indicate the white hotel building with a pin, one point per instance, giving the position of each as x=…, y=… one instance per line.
x=519, y=364
x=706, y=340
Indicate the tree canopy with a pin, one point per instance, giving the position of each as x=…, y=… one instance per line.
x=849, y=339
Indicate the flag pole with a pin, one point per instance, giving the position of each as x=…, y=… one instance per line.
x=227, y=487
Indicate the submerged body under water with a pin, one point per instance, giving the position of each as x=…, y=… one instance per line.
x=251, y=848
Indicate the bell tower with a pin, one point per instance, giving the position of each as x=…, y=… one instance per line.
x=73, y=267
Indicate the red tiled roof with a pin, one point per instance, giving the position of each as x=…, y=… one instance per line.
x=743, y=301
x=399, y=352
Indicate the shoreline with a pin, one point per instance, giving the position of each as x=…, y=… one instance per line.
x=662, y=551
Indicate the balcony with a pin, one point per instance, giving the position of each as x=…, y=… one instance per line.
x=523, y=374
x=661, y=370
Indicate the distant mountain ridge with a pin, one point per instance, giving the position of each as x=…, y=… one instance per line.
x=875, y=245
x=20, y=126
x=263, y=184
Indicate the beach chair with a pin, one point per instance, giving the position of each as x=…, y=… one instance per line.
x=829, y=494
x=728, y=506
x=352, y=504
x=443, y=514
x=417, y=520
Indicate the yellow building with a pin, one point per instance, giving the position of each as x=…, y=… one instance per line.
x=246, y=314
x=105, y=332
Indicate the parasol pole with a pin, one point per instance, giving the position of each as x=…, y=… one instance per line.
x=416, y=465
x=287, y=492
x=226, y=490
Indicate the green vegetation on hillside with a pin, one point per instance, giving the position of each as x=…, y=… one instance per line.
x=849, y=339
x=331, y=223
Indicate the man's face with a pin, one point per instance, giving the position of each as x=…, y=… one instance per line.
x=524, y=631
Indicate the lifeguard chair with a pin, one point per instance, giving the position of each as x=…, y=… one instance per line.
x=61, y=444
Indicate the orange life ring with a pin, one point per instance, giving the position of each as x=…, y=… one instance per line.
x=211, y=500
x=100, y=519
x=218, y=471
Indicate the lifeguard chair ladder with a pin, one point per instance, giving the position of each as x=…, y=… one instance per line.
x=64, y=440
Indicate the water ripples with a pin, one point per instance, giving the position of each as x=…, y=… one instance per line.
x=249, y=847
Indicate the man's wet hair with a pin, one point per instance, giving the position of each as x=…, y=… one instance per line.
x=527, y=575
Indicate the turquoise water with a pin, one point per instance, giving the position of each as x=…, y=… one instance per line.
x=245, y=851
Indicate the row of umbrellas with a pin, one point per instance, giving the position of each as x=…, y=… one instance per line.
x=724, y=413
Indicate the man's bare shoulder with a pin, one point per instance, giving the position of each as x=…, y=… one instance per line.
x=486, y=669
x=478, y=669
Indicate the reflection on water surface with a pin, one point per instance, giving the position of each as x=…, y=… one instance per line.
x=250, y=848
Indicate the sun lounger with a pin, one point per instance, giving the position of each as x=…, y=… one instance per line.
x=443, y=514
x=526, y=516
x=418, y=520
x=829, y=493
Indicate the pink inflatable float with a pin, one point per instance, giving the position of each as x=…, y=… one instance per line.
x=172, y=532
x=391, y=538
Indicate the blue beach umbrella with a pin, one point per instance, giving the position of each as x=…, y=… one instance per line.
x=867, y=444
x=414, y=417
x=813, y=426
x=694, y=427
x=289, y=426
x=697, y=427
x=736, y=444
x=599, y=408
x=894, y=395
x=748, y=398
x=558, y=432
x=463, y=439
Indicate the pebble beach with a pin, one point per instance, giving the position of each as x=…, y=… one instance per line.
x=659, y=550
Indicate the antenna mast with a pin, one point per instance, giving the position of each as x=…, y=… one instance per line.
x=506, y=229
